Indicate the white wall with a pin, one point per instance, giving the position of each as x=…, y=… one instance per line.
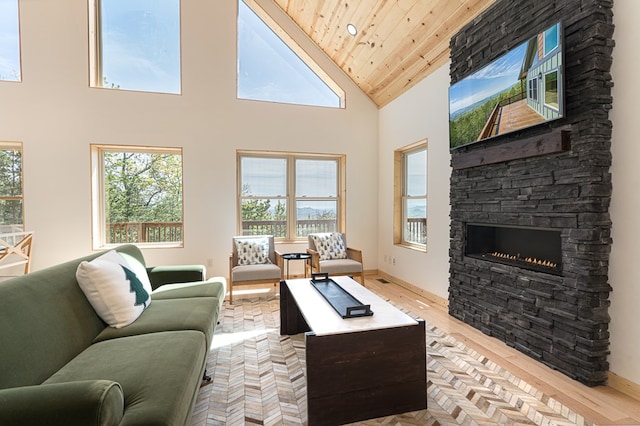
x=56, y=116
x=624, y=275
x=421, y=113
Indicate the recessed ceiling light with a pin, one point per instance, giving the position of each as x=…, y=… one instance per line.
x=351, y=29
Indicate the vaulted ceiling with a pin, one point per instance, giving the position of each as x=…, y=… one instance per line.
x=399, y=42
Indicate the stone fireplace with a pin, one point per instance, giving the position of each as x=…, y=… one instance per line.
x=536, y=249
x=551, y=206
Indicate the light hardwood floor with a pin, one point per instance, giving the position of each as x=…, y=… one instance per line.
x=602, y=405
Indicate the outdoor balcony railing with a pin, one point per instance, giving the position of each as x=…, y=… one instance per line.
x=144, y=232
x=416, y=230
x=278, y=228
x=162, y=232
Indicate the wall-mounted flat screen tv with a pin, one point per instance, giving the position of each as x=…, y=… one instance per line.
x=522, y=88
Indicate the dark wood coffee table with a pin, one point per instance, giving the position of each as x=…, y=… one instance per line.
x=357, y=368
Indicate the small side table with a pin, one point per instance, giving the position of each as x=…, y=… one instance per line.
x=296, y=256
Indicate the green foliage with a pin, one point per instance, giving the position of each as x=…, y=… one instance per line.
x=326, y=214
x=106, y=83
x=467, y=127
x=10, y=187
x=143, y=187
x=260, y=209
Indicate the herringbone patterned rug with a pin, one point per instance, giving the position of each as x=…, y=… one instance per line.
x=259, y=378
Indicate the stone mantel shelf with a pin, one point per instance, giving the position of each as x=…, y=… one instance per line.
x=551, y=143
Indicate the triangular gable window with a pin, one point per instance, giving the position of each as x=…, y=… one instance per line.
x=272, y=67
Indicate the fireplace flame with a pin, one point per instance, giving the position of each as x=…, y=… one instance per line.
x=531, y=260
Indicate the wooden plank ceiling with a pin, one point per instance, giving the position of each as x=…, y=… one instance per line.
x=399, y=42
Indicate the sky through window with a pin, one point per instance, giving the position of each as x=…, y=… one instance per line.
x=9, y=41
x=268, y=70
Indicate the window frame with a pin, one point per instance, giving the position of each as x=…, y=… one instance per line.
x=533, y=89
x=400, y=197
x=547, y=47
x=98, y=193
x=555, y=107
x=291, y=197
x=96, y=75
x=16, y=146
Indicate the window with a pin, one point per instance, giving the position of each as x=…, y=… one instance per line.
x=533, y=89
x=135, y=44
x=551, y=39
x=273, y=67
x=9, y=41
x=290, y=195
x=551, y=89
x=410, y=204
x=137, y=195
x=11, y=198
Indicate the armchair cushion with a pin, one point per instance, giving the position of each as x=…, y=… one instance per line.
x=340, y=266
x=330, y=245
x=252, y=251
x=256, y=272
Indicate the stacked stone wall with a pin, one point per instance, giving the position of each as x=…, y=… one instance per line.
x=561, y=321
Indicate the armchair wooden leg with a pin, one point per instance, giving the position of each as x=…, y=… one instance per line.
x=230, y=292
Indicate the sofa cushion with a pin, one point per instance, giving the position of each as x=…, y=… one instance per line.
x=118, y=291
x=252, y=251
x=330, y=245
x=197, y=313
x=157, y=372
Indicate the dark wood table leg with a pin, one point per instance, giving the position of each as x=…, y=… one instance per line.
x=291, y=319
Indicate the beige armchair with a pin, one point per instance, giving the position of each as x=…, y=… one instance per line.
x=330, y=254
x=253, y=260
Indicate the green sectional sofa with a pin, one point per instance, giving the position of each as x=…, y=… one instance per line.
x=60, y=364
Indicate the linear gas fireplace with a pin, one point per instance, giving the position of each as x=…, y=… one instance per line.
x=530, y=248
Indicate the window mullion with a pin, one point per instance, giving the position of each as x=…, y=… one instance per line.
x=292, y=217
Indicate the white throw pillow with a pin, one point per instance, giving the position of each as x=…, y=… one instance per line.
x=252, y=251
x=139, y=269
x=113, y=288
x=330, y=245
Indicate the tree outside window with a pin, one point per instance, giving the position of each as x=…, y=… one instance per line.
x=11, y=198
x=141, y=195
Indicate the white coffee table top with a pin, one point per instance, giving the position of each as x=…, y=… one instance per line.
x=324, y=320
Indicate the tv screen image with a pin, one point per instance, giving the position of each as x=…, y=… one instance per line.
x=522, y=88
